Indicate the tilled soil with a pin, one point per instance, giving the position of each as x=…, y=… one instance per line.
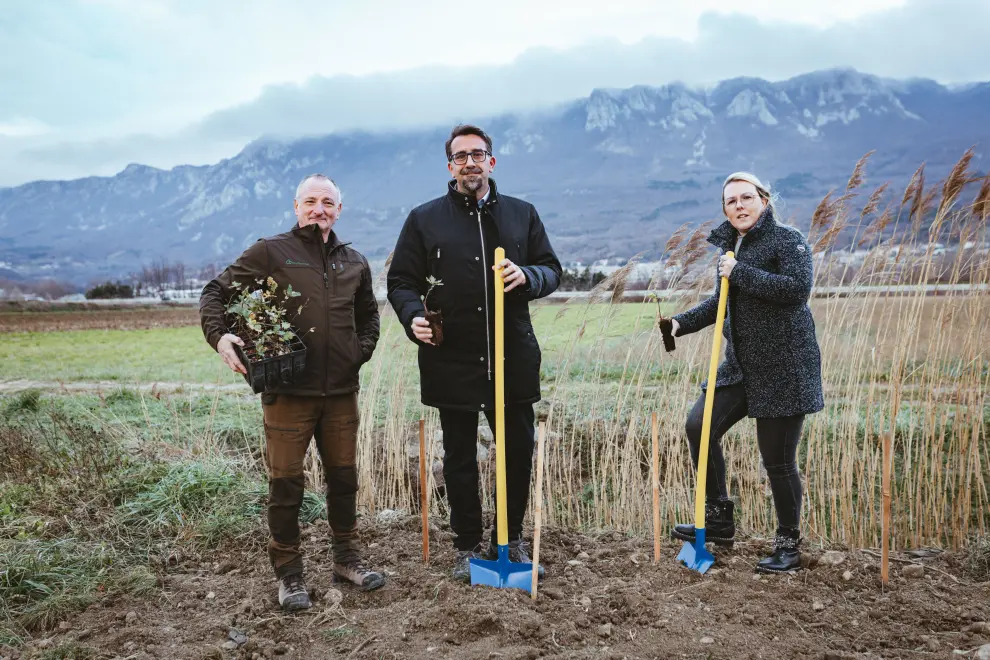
x=98, y=318
x=602, y=598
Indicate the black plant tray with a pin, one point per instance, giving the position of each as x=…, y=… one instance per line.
x=270, y=373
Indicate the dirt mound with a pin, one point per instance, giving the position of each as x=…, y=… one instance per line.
x=602, y=598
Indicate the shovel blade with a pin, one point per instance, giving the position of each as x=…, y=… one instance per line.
x=694, y=555
x=502, y=573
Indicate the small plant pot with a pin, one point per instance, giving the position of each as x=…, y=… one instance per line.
x=667, y=332
x=265, y=374
x=435, y=318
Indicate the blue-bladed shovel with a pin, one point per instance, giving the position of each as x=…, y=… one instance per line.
x=694, y=555
x=500, y=572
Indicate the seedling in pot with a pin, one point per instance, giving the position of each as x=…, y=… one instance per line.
x=666, y=325
x=434, y=316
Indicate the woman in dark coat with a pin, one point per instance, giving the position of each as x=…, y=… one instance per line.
x=772, y=367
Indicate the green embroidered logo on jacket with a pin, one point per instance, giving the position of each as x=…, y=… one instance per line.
x=290, y=262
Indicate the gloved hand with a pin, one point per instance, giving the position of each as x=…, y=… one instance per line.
x=668, y=328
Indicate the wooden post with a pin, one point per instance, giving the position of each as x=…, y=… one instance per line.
x=885, y=528
x=538, y=515
x=424, y=501
x=656, y=490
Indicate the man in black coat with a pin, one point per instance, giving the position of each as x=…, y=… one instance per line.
x=453, y=239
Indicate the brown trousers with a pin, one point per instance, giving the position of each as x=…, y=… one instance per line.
x=290, y=423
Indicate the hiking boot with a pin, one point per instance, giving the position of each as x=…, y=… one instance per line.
x=462, y=564
x=292, y=594
x=786, y=557
x=719, y=526
x=357, y=573
x=518, y=554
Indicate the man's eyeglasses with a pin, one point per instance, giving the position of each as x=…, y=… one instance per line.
x=478, y=155
x=746, y=199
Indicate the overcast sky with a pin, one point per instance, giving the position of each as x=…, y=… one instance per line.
x=87, y=86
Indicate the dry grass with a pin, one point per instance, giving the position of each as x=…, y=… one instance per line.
x=914, y=365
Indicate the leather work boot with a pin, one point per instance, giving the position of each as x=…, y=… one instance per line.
x=357, y=573
x=292, y=594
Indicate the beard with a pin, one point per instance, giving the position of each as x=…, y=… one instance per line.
x=472, y=182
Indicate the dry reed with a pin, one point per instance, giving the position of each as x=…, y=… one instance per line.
x=899, y=362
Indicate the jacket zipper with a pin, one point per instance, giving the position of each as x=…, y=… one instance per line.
x=484, y=283
x=326, y=307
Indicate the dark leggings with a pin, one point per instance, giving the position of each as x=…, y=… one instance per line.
x=778, y=439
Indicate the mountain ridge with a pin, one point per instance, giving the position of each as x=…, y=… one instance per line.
x=605, y=171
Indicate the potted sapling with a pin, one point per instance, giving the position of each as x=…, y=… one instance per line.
x=665, y=324
x=273, y=352
x=434, y=316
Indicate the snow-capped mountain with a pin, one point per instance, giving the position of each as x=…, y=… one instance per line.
x=611, y=174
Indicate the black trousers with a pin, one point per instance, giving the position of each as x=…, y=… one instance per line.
x=778, y=440
x=460, y=470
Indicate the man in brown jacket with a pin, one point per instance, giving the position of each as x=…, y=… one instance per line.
x=336, y=286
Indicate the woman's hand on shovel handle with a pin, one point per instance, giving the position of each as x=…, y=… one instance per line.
x=512, y=274
x=725, y=265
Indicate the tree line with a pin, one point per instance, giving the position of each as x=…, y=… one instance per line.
x=156, y=278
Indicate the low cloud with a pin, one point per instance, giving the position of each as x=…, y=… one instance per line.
x=943, y=40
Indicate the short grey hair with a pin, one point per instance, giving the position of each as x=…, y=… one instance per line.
x=770, y=197
x=319, y=177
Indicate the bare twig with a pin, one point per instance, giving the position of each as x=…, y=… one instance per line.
x=357, y=649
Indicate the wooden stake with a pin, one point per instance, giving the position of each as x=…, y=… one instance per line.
x=885, y=530
x=656, y=491
x=538, y=516
x=424, y=502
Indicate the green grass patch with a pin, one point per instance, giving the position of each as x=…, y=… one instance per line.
x=182, y=355
x=26, y=402
x=9, y=638
x=44, y=581
x=159, y=355
x=203, y=502
x=341, y=632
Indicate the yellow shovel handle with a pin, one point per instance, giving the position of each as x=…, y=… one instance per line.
x=500, y=496
x=706, y=425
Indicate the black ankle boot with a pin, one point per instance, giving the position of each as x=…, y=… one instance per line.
x=719, y=526
x=785, y=558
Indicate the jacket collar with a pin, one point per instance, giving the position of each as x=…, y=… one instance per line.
x=468, y=201
x=725, y=235
x=311, y=234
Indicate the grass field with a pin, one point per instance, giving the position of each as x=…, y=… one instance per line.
x=180, y=354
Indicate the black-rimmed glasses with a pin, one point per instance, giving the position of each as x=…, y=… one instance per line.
x=478, y=155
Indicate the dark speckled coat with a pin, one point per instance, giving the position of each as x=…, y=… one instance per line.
x=770, y=333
